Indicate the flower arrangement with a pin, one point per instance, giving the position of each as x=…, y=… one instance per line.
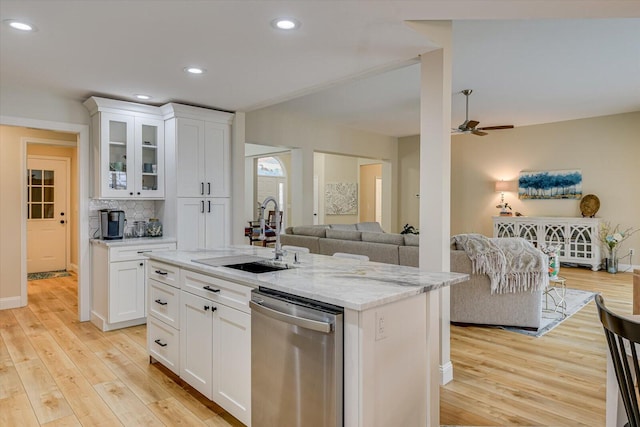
x=612, y=237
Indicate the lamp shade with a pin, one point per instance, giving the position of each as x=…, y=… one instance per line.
x=502, y=186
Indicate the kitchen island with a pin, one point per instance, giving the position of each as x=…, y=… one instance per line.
x=390, y=327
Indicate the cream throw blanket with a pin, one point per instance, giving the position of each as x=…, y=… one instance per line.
x=513, y=264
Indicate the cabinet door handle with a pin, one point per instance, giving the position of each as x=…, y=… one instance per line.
x=159, y=301
x=202, y=188
x=144, y=252
x=210, y=289
x=202, y=208
x=162, y=273
x=142, y=264
x=160, y=343
x=206, y=308
x=209, y=206
x=208, y=188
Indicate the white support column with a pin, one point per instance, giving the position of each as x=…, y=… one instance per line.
x=435, y=171
x=237, y=179
x=301, y=180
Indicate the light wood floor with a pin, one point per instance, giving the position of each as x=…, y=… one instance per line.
x=55, y=370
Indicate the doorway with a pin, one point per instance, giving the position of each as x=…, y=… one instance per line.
x=48, y=196
x=371, y=193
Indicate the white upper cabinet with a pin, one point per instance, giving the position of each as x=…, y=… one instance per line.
x=128, y=149
x=203, y=158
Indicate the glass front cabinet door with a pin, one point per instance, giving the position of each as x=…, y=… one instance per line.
x=149, y=158
x=117, y=153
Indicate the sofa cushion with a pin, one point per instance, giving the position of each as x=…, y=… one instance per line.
x=388, y=238
x=411, y=240
x=309, y=231
x=369, y=226
x=344, y=234
x=409, y=256
x=351, y=227
x=309, y=242
x=377, y=252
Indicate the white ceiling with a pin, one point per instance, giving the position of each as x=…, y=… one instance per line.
x=522, y=71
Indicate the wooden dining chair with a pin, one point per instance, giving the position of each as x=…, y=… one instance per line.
x=622, y=336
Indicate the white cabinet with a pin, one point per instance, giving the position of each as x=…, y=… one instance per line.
x=163, y=323
x=577, y=237
x=118, y=284
x=203, y=223
x=203, y=158
x=215, y=353
x=126, y=296
x=128, y=149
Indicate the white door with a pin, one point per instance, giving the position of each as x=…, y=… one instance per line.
x=47, y=216
x=196, y=348
x=191, y=223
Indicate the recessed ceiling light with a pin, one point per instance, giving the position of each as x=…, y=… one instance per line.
x=194, y=70
x=285, y=24
x=142, y=96
x=20, y=25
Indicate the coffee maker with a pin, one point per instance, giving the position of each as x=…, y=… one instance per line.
x=111, y=224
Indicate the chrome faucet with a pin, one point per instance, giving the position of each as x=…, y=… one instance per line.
x=278, y=251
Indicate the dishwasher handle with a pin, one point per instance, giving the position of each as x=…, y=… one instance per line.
x=293, y=320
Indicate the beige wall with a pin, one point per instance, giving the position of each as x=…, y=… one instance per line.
x=606, y=149
x=11, y=168
x=269, y=126
x=332, y=169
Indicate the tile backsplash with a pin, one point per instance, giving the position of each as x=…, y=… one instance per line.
x=134, y=210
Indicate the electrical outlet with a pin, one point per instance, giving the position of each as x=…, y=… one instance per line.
x=381, y=326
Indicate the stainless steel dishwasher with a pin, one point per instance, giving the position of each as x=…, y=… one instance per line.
x=296, y=361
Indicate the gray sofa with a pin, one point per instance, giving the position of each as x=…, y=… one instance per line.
x=471, y=301
x=365, y=238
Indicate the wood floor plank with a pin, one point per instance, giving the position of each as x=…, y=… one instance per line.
x=125, y=405
x=173, y=413
x=10, y=383
x=70, y=421
x=46, y=398
x=17, y=411
x=17, y=343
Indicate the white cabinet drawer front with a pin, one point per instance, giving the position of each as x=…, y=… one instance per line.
x=164, y=302
x=163, y=344
x=165, y=273
x=232, y=294
x=127, y=253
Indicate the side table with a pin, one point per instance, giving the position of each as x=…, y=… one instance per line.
x=558, y=293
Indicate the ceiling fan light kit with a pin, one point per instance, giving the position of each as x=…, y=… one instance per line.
x=470, y=126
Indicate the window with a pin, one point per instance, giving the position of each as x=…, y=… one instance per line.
x=40, y=185
x=269, y=166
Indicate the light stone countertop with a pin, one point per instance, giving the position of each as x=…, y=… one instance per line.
x=348, y=283
x=132, y=241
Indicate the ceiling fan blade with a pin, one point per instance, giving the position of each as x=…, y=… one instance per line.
x=496, y=127
x=471, y=124
x=479, y=133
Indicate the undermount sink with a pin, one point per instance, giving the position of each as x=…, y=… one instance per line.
x=248, y=263
x=259, y=267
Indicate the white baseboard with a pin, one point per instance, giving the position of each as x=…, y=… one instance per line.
x=11, y=302
x=73, y=267
x=446, y=373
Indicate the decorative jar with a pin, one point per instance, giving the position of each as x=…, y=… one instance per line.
x=154, y=227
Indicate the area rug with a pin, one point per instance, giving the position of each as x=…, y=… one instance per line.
x=47, y=275
x=576, y=299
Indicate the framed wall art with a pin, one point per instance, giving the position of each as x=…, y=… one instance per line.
x=341, y=198
x=560, y=184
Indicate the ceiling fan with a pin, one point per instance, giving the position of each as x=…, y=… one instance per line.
x=470, y=126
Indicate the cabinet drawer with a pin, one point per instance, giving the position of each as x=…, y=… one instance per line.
x=165, y=273
x=162, y=343
x=225, y=292
x=127, y=253
x=164, y=302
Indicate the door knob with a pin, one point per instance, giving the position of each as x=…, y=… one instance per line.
x=62, y=221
